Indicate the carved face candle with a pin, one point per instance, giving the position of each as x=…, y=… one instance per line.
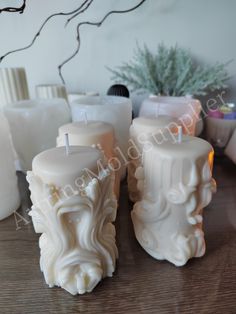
x=9, y=194
x=73, y=208
x=176, y=184
x=112, y=109
x=98, y=133
x=142, y=130
x=34, y=125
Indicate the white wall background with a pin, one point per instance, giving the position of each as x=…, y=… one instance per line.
x=207, y=27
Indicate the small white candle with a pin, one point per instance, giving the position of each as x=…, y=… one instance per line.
x=9, y=193
x=96, y=133
x=50, y=91
x=112, y=109
x=73, y=207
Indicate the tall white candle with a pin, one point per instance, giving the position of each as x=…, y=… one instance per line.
x=111, y=109
x=73, y=208
x=34, y=125
x=9, y=193
x=89, y=133
x=142, y=130
x=176, y=185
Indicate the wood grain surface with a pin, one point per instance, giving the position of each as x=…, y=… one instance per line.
x=140, y=283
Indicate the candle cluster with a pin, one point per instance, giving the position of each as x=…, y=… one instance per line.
x=76, y=154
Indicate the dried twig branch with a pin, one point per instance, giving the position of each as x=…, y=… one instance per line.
x=77, y=11
x=73, y=14
x=98, y=24
x=14, y=9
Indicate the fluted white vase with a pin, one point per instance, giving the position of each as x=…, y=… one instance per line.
x=51, y=91
x=13, y=85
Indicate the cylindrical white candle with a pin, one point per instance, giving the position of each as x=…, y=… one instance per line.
x=142, y=131
x=176, y=184
x=49, y=91
x=13, y=85
x=186, y=109
x=34, y=125
x=111, y=109
x=9, y=193
x=91, y=133
x=73, y=208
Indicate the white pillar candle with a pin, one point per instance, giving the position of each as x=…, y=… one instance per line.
x=13, y=85
x=142, y=130
x=34, y=125
x=73, y=208
x=186, y=109
x=176, y=183
x=89, y=133
x=50, y=91
x=111, y=109
x=9, y=193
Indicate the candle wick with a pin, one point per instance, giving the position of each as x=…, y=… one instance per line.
x=180, y=134
x=67, y=144
x=157, y=110
x=85, y=118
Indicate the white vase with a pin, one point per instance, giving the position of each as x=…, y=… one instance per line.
x=34, y=126
x=13, y=85
x=51, y=91
x=186, y=109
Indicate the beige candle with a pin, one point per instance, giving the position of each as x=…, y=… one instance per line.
x=142, y=130
x=89, y=133
x=176, y=184
x=73, y=208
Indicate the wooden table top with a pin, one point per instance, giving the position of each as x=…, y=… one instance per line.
x=140, y=284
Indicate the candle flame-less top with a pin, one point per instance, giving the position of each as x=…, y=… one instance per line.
x=190, y=147
x=55, y=167
x=154, y=124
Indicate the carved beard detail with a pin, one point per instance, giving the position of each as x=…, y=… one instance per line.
x=78, y=238
x=169, y=225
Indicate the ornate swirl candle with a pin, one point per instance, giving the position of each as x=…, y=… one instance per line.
x=168, y=219
x=34, y=125
x=142, y=130
x=73, y=208
x=89, y=133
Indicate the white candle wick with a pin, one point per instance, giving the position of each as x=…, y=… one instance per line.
x=157, y=110
x=85, y=118
x=67, y=144
x=180, y=134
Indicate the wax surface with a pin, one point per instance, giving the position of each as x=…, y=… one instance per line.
x=141, y=132
x=54, y=166
x=175, y=183
x=34, y=125
x=9, y=193
x=77, y=244
x=112, y=109
x=98, y=133
x=90, y=133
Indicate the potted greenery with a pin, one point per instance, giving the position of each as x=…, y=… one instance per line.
x=172, y=77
